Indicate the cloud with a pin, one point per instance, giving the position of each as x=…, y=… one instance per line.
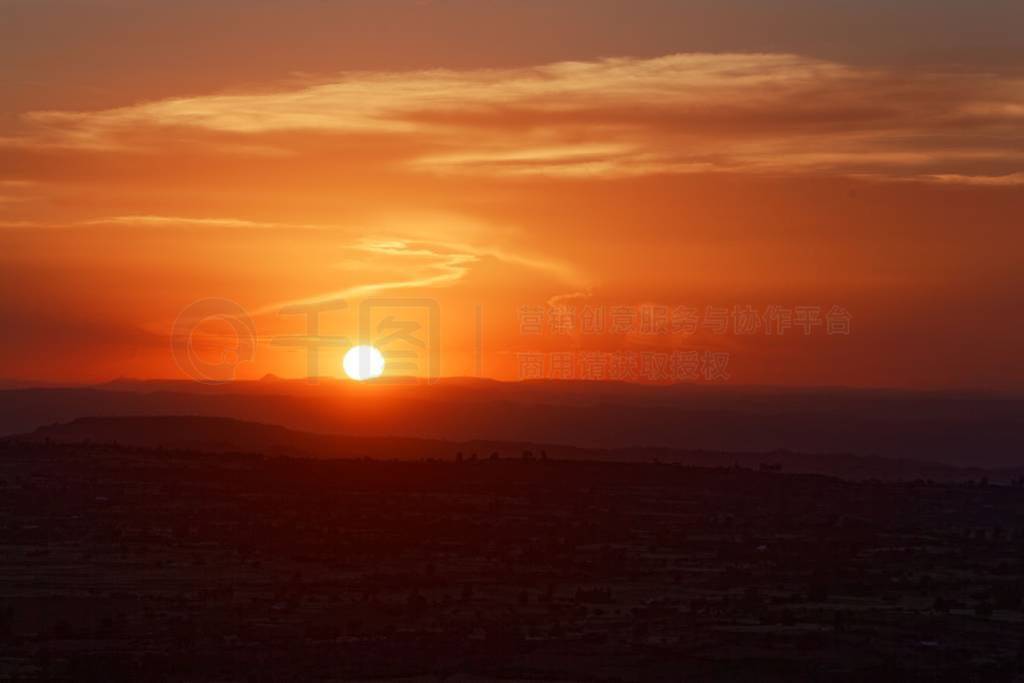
x=420, y=266
x=198, y=223
x=568, y=298
x=411, y=246
x=424, y=264
x=409, y=250
x=1008, y=180
x=684, y=113
x=14, y=191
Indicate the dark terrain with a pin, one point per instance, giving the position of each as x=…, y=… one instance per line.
x=135, y=564
x=960, y=429
x=225, y=435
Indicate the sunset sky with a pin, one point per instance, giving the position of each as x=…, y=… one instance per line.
x=492, y=155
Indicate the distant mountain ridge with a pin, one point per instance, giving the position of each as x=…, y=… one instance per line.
x=225, y=435
x=965, y=430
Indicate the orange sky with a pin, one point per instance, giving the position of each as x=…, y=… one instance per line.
x=609, y=157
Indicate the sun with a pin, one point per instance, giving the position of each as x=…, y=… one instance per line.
x=363, y=362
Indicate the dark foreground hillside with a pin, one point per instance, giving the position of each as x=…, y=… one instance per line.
x=145, y=565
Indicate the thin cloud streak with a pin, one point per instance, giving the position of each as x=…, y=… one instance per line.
x=184, y=222
x=445, y=264
x=442, y=270
x=1008, y=180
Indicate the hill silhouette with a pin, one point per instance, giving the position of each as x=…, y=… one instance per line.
x=965, y=430
x=225, y=435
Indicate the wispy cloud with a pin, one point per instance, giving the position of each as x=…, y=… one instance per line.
x=427, y=265
x=421, y=266
x=1008, y=180
x=415, y=258
x=198, y=223
x=687, y=113
x=14, y=191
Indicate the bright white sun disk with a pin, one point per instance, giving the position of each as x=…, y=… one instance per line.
x=363, y=362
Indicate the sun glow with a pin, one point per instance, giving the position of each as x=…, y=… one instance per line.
x=363, y=362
